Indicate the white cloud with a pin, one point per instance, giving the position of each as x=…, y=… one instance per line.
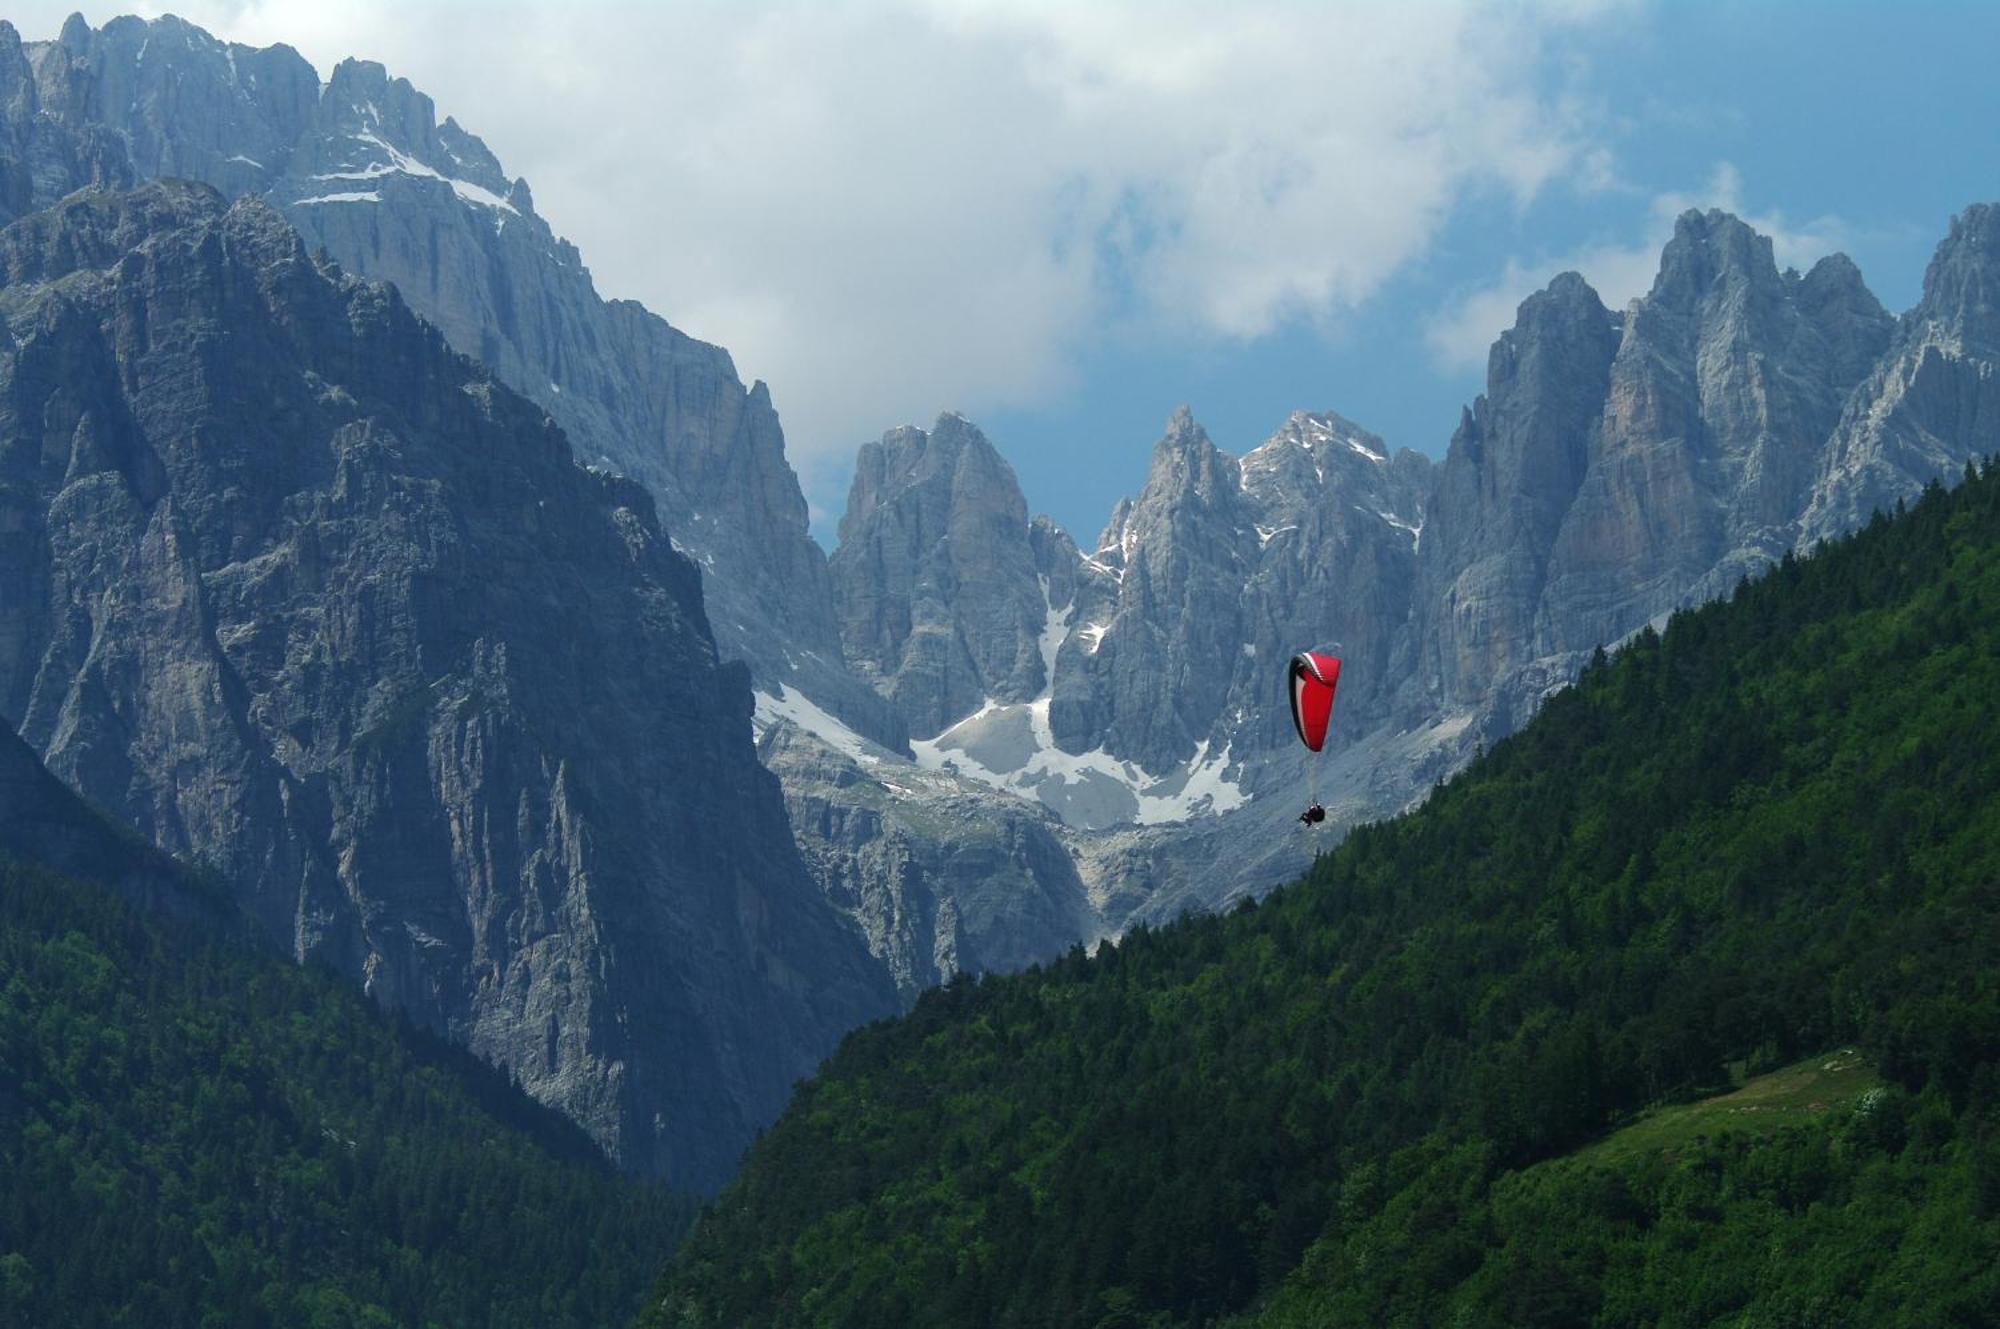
x=887, y=206
x=1461, y=335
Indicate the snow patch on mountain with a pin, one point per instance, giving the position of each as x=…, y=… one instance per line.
x=1009, y=746
x=796, y=707
x=401, y=163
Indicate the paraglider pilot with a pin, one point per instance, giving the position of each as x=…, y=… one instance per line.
x=1313, y=677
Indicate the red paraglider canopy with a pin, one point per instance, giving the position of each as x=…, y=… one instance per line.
x=1313, y=677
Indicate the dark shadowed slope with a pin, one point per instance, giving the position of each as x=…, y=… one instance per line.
x=193, y=1130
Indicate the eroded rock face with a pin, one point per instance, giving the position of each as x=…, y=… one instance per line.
x=298, y=592
x=1133, y=684
x=1219, y=569
x=362, y=168
x=1933, y=402
x=1728, y=382
x=1618, y=466
x=937, y=873
x=1505, y=486
x=936, y=579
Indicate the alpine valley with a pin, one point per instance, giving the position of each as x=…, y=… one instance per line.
x=464, y=627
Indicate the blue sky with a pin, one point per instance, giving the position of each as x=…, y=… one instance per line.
x=1875, y=121
x=1064, y=219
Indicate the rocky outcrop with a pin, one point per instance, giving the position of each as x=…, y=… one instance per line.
x=1504, y=488
x=44, y=156
x=1618, y=466
x=1724, y=390
x=1933, y=402
x=362, y=167
x=301, y=594
x=939, y=875
x=1165, y=632
x=1206, y=581
x=1148, y=697
x=937, y=579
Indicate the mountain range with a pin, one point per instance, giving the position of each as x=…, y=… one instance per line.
x=1620, y=465
x=461, y=621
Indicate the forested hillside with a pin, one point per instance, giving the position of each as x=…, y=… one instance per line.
x=1771, y=831
x=196, y=1132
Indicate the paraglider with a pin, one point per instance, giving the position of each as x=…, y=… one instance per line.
x=1312, y=678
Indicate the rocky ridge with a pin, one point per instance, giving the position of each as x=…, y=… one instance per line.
x=303, y=595
x=1619, y=466
x=362, y=167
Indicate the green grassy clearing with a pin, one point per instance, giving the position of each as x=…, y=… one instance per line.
x=1796, y=1094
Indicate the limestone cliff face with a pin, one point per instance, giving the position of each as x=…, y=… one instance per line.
x=1220, y=568
x=1620, y=466
x=1135, y=683
x=362, y=167
x=1505, y=486
x=937, y=873
x=300, y=593
x=937, y=581
x=1166, y=632
x=1933, y=402
x=1722, y=395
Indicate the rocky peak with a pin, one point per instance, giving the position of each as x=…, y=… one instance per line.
x=1187, y=466
x=1708, y=249
x=1527, y=438
x=178, y=101
x=378, y=125
x=1192, y=501
x=1932, y=403
x=942, y=594
x=46, y=151
x=1729, y=380
x=1563, y=319
x=1319, y=457
x=927, y=471
x=1507, y=481
x=1962, y=285
x=13, y=59
x=371, y=126
x=1836, y=302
